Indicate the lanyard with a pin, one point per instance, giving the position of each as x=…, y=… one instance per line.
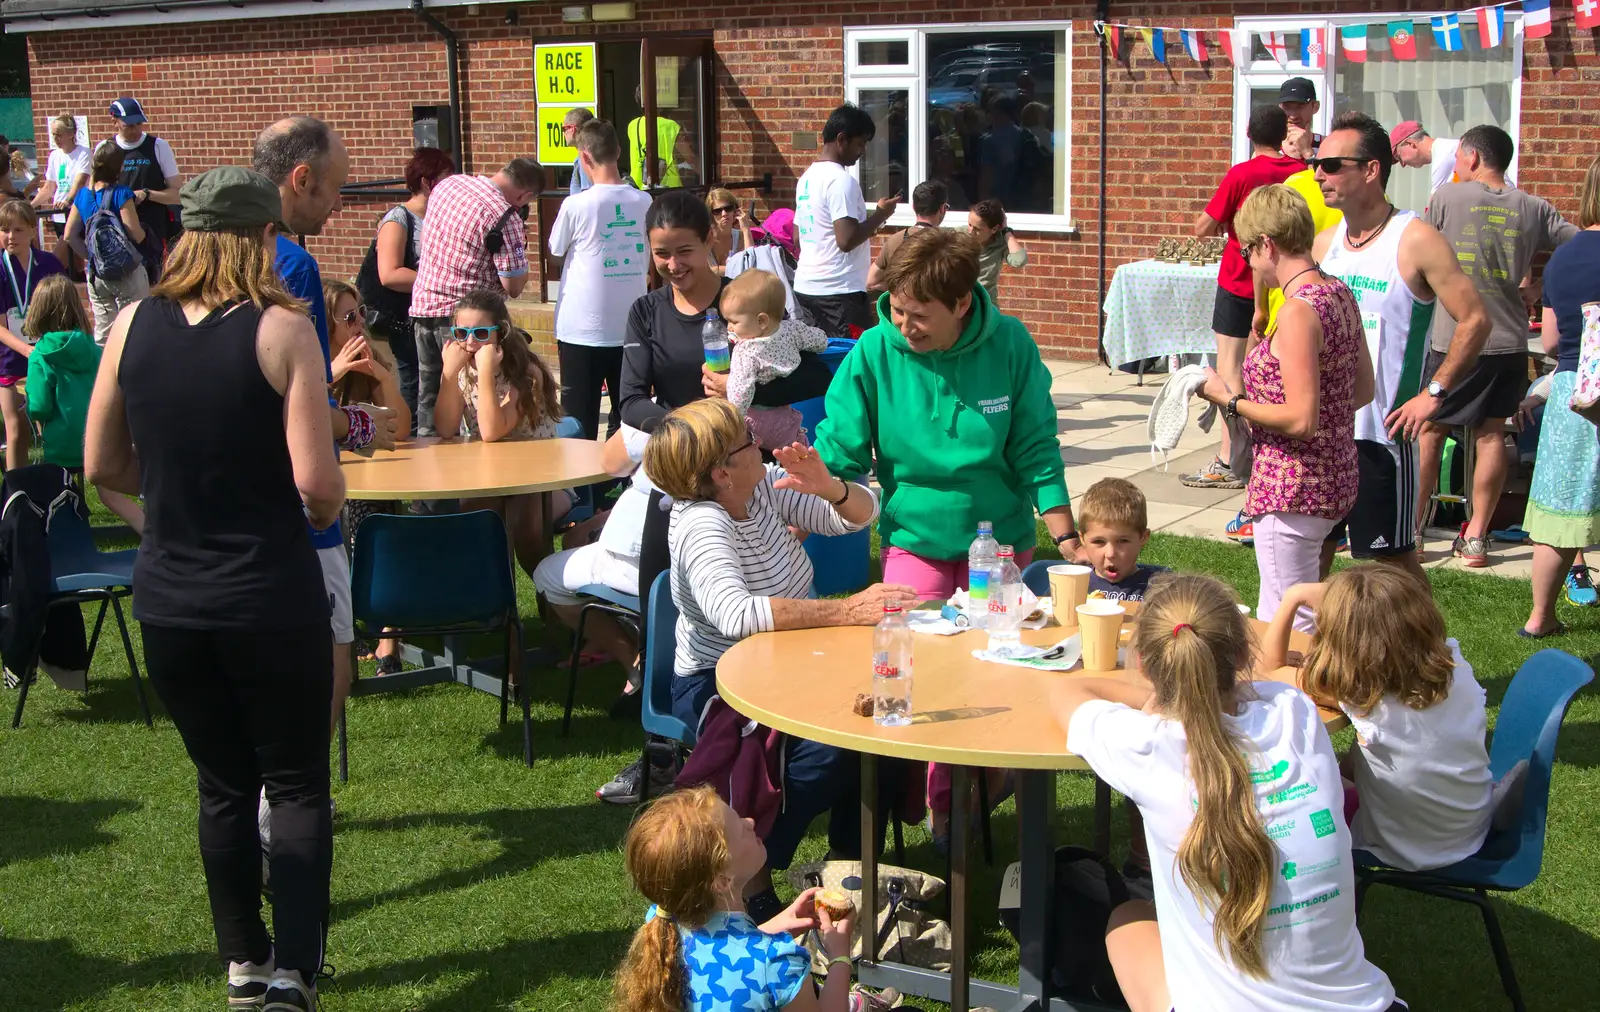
x=27, y=282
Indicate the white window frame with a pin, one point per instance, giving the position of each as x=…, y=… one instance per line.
x=912, y=79
x=1266, y=73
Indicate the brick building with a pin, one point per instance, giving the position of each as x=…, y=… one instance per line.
x=748, y=93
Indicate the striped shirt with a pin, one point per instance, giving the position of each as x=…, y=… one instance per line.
x=725, y=572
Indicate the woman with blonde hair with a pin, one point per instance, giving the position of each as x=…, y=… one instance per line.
x=738, y=569
x=1302, y=387
x=66, y=172
x=727, y=226
x=1239, y=789
x=212, y=401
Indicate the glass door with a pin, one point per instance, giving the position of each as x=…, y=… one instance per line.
x=670, y=146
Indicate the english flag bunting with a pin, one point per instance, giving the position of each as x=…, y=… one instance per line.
x=1402, y=43
x=1194, y=43
x=1491, y=26
x=1235, y=45
x=1313, y=51
x=1587, y=13
x=1447, y=33
x=1535, y=18
x=1278, y=48
x=1354, y=39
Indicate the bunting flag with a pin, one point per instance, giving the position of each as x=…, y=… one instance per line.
x=1403, y=44
x=1156, y=39
x=1313, y=48
x=1586, y=13
x=1235, y=45
x=1447, y=33
x=1491, y=26
x=1535, y=18
x=1194, y=43
x=1114, y=40
x=1354, y=38
x=1278, y=47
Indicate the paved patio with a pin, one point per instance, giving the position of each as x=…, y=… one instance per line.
x=1101, y=416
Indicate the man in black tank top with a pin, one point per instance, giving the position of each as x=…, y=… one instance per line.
x=151, y=172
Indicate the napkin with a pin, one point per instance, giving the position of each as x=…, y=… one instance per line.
x=923, y=620
x=1030, y=604
x=1033, y=657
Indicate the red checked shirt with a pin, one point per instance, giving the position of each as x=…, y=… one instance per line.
x=462, y=211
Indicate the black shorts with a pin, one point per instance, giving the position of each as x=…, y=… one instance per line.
x=1492, y=388
x=1231, y=315
x=835, y=315
x=1383, y=520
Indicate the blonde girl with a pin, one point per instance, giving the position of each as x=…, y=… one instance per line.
x=363, y=367
x=698, y=950
x=1420, y=767
x=1239, y=789
x=494, y=387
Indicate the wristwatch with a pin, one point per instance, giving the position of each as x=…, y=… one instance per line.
x=1232, y=408
x=1435, y=389
x=1069, y=536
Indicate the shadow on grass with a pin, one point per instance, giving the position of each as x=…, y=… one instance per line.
x=44, y=975
x=40, y=827
x=527, y=836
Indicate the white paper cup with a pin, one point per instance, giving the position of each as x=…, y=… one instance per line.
x=1100, y=625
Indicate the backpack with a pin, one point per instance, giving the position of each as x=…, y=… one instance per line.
x=112, y=254
x=387, y=309
x=1088, y=888
x=1586, y=390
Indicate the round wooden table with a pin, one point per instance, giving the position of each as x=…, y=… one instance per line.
x=965, y=712
x=429, y=468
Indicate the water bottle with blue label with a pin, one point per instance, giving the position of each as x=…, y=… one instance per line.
x=981, y=558
x=714, y=338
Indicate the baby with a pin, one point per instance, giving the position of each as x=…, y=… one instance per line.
x=765, y=347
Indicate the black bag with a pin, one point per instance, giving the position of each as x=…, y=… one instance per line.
x=1088, y=888
x=387, y=309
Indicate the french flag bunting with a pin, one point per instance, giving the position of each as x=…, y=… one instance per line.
x=1447, y=33
x=1278, y=46
x=1535, y=18
x=1354, y=39
x=1236, y=45
x=1194, y=43
x=1313, y=48
x=1491, y=26
x=1586, y=13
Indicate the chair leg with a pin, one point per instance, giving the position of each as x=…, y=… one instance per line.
x=644, y=772
x=1502, y=955
x=572, y=671
x=22, y=699
x=99, y=620
x=133, y=663
x=983, y=816
x=344, y=749
x=505, y=679
x=524, y=691
x=899, y=842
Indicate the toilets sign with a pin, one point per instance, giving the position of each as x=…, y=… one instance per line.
x=565, y=74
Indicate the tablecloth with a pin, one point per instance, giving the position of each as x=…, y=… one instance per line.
x=1154, y=309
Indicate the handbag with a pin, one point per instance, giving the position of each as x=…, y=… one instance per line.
x=387, y=309
x=904, y=933
x=1586, y=391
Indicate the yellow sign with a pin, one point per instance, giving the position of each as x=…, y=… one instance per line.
x=553, y=146
x=565, y=74
x=666, y=82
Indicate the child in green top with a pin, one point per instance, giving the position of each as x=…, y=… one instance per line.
x=61, y=374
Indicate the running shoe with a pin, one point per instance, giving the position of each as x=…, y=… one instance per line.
x=1214, y=475
x=867, y=999
x=1241, y=529
x=1472, y=552
x=289, y=993
x=625, y=787
x=1344, y=543
x=248, y=984
x=1578, y=590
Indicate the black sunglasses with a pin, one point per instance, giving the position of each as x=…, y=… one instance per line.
x=750, y=439
x=726, y=209
x=359, y=313
x=1334, y=164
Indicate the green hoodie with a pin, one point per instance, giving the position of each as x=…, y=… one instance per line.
x=959, y=436
x=61, y=374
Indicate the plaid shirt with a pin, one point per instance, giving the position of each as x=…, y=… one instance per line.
x=462, y=211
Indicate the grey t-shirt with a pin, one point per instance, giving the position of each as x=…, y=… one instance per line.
x=1495, y=234
x=398, y=213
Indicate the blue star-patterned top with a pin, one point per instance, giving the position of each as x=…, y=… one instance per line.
x=736, y=967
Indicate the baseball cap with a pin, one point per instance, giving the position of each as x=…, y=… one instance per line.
x=230, y=197
x=1405, y=131
x=1297, y=89
x=128, y=111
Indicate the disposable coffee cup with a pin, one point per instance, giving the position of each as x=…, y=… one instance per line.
x=1069, y=587
x=1100, y=625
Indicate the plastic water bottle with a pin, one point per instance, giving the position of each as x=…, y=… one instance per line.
x=714, y=337
x=981, y=558
x=1005, y=603
x=891, y=669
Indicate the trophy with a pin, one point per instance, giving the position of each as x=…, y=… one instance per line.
x=1167, y=251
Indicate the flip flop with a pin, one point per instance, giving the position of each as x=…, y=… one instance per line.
x=1559, y=630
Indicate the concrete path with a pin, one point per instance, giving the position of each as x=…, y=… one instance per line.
x=1101, y=416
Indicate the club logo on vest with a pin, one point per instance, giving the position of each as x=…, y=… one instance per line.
x=995, y=405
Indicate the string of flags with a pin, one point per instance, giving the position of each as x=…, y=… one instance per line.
x=1315, y=43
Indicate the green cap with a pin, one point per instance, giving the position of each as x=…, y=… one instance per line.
x=230, y=197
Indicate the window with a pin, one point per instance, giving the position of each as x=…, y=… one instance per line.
x=983, y=109
x=1447, y=92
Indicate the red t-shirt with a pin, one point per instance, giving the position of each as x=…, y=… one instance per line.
x=1233, y=274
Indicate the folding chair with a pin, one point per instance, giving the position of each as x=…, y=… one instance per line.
x=618, y=605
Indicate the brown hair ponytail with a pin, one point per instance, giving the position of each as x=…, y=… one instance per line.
x=674, y=853
x=1192, y=642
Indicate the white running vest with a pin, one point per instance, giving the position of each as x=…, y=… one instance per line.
x=1394, y=321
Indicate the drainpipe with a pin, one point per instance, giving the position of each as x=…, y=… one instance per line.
x=1103, y=14
x=452, y=49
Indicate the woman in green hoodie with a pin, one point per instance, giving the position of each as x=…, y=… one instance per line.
x=61, y=369
x=949, y=399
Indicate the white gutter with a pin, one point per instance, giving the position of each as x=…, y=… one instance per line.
x=40, y=21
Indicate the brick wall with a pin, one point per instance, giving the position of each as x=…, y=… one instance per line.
x=208, y=88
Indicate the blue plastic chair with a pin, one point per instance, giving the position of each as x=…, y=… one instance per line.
x=1037, y=576
x=622, y=607
x=660, y=646
x=1529, y=721
x=447, y=574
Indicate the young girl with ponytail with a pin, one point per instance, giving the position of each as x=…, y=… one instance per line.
x=690, y=856
x=1241, y=797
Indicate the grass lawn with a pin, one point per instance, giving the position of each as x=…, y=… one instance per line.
x=466, y=882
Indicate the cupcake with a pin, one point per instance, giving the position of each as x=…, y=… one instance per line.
x=836, y=902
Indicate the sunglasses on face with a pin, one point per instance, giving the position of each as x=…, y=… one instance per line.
x=1335, y=164
x=349, y=319
x=726, y=209
x=480, y=335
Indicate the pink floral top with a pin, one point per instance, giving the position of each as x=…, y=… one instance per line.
x=1317, y=476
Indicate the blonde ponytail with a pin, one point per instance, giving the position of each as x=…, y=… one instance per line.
x=1192, y=642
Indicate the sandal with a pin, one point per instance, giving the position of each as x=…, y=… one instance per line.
x=1559, y=630
x=390, y=665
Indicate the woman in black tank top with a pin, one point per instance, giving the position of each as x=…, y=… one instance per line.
x=218, y=380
